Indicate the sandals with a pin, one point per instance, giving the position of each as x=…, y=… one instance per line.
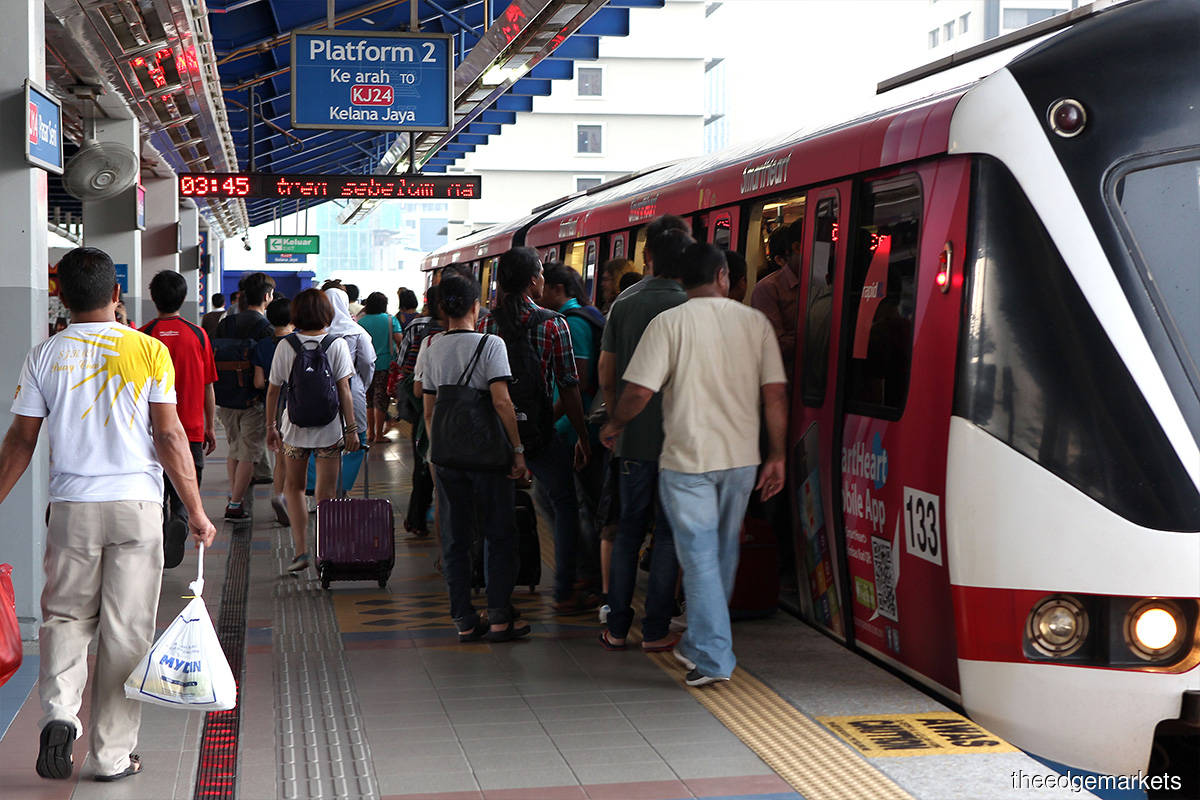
x=508, y=634
x=609, y=644
x=135, y=767
x=665, y=646
x=54, y=756
x=474, y=634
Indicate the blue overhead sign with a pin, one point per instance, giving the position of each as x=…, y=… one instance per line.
x=287, y=258
x=372, y=81
x=43, y=129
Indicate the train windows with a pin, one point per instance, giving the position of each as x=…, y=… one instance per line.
x=765, y=219
x=882, y=297
x=590, y=256
x=618, y=247
x=574, y=256
x=1037, y=370
x=1161, y=206
x=722, y=232
x=819, y=304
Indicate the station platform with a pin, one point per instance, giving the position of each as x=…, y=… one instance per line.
x=361, y=692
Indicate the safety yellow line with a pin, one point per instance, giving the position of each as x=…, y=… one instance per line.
x=813, y=761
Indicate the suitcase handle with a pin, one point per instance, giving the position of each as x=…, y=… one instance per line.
x=365, y=447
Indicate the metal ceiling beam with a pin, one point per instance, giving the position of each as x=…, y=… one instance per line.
x=540, y=27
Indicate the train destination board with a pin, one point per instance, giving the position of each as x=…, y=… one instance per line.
x=372, y=81
x=331, y=187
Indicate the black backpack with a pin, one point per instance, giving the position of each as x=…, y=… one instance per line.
x=231, y=350
x=528, y=390
x=312, y=398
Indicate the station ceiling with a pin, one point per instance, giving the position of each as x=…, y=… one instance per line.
x=248, y=43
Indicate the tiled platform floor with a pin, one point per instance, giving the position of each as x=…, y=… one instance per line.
x=552, y=717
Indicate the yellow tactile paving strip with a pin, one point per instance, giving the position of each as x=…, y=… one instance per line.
x=813, y=761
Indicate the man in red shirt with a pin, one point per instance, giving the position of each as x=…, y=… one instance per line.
x=195, y=373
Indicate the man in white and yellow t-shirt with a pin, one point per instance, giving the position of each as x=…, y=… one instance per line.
x=716, y=363
x=106, y=396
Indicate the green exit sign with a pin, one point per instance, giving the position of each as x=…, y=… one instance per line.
x=294, y=244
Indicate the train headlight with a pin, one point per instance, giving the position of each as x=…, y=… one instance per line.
x=1057, y=626
x=1154, y=629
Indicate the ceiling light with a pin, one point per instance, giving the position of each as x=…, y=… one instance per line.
x=497, y=74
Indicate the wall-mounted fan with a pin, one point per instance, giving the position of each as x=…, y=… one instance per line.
x=100, y=169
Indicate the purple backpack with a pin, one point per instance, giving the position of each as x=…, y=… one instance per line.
x=312, y=398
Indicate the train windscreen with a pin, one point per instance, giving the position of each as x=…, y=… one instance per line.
x=1161, y=205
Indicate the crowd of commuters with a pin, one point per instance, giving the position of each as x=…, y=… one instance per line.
x=598, y=407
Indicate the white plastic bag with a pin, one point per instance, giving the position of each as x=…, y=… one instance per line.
x=186, y=668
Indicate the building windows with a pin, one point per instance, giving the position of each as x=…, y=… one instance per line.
x=588, y=139
x=963, y=23
x=1020, y=17
x=948, y=30
x=590, y=81
x=933, y=38
x=583, y=183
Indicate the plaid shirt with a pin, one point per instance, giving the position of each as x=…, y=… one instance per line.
x=412, y=340
x=551, y=340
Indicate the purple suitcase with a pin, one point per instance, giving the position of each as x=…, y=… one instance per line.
x=355, y=537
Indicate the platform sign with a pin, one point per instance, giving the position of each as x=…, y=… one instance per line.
x=43, y=129
x=293, y=244
x=372, y=81
x=287, y=258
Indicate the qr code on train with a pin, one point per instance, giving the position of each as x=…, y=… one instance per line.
x=885, y=580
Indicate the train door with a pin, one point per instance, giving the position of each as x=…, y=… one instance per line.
x=895, y=381
x=813, y=465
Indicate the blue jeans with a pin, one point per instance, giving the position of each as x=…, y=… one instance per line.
x=706, y=511
x=552, y=467
x=476, y=503
x=636, y=483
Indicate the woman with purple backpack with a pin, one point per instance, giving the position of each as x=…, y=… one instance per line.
x=314, y=370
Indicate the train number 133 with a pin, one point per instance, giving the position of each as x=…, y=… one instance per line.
x=922, y=528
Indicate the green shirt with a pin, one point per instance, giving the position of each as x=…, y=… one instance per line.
x=582, y=342
x=627, y=321
x=381, y=327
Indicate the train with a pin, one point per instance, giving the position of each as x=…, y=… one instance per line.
x=994, y=434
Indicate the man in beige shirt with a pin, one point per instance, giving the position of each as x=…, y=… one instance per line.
x=778, y=294
x=714, y=360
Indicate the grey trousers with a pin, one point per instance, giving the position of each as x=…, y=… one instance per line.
x=103, y=567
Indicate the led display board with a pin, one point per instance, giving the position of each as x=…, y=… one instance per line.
x=330, y=187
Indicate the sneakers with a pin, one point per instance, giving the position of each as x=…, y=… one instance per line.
x=688, y=664
x=299, y=563
x=175, y=534
x=236, y=513
x=281, y=515
x=605, y=610
x=695, y=678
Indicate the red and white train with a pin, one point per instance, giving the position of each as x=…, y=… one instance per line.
x=995, y=422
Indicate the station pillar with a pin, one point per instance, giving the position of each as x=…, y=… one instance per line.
x=24, y=279
x=189, y=258
x=111, y=224
x=160, y=240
